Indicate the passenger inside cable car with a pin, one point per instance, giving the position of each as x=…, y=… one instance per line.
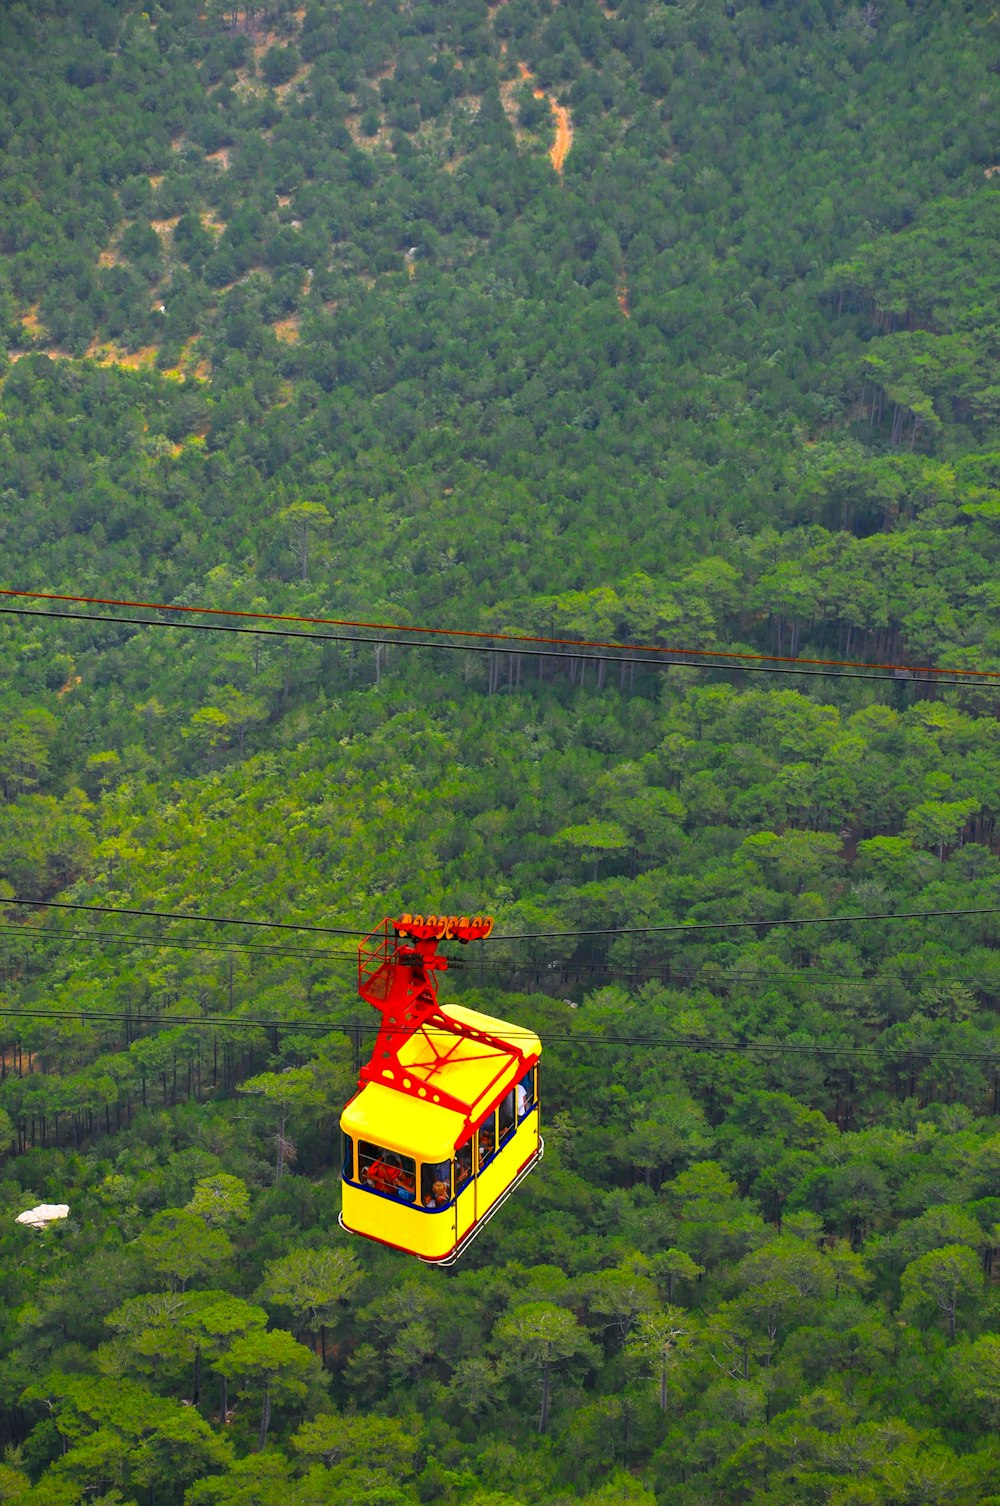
x=390, y=1174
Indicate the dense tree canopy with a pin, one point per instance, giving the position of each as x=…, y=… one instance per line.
x=298, y=314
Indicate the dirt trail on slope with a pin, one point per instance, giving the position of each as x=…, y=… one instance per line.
x=564, y=135
x=559, y=150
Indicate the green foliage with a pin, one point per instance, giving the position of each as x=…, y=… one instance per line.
x=121, y=1436
x=311, y=1283
x=220, y=1200
x=297, y=317
x=946, y=1279
x=272, y=1365
x=181, y=1246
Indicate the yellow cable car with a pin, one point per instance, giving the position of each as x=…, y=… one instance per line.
x=444, y=1124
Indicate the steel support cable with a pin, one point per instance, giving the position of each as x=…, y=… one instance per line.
x=123, y=938
x=620, y=973
x=725, y=982
x=492, y=637
x=213, y=920
x=807, y=975
x=716, y=925
x=899, y=677
x=672, y=928
x=706, y=1045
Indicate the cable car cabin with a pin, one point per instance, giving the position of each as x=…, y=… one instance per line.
x=444, y=1124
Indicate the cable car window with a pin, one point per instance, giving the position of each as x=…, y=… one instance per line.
x=487, y=1139
x=387, y=1172
x=348, y=1158
x=435, y=1184
x=508, y=1119
x=463, y=1166
x=525, y=1094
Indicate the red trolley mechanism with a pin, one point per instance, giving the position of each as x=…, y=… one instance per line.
x=445, y=1122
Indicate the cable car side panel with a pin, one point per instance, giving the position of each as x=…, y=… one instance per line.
x=429, y=1233
x=497, y=1175
x=435, y=1235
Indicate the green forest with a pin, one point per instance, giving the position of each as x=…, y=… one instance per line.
x=653, y=325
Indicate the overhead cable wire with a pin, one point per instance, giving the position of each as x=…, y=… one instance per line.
x=642, y=972
x=214, y=920
x=717, y=925
x=579, y=651
x=124, y=938
x=672, y=928
x=705, y=1044
x=497, y=637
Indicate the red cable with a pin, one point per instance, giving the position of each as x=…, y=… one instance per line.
x=399, y=627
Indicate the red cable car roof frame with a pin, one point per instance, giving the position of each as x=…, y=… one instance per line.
x=398, y=980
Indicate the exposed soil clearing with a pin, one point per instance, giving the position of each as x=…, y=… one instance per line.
x=287, y=330
x=621, y=297
x=53, y=353
x=129, y=360
x=508, y=88
x=382, y=136
x=559, y=149
x=297, y=79
x=9, y=1055
x=564, y=135
x=106, y=355
x=31, y=324
x=188, y=367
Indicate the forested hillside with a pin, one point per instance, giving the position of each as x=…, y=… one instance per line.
x=660, y=325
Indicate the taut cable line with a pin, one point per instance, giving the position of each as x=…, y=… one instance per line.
x=725, y=925
x=648, y=970
x=499, y=637
x=211, y=920
x=673, y=927
x=896, y=678
x=51, y=936
x=576, y=649
x=707, y=1045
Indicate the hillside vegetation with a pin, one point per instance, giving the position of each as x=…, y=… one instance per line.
x=299, y=314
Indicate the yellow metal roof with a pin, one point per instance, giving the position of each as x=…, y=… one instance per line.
x=519, y=1036
x=397, y=1122
x=475, y=1072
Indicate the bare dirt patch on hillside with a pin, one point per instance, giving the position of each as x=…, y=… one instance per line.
x=287, y=330
x=560, y=147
